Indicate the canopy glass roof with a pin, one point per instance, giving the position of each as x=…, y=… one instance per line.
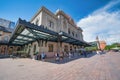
x=26, y=32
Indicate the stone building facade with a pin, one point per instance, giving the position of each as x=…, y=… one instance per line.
x=56, y=22
x=102, y=45
x=5, y=34
x=36, y=35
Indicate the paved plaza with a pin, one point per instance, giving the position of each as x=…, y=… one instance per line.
x=97, y=67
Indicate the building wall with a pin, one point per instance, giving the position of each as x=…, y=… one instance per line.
x=44, y=48
x=4, y=36
x=6, y=28
x=6, y=23
x=102, y=45
x=8, y=50
x=55, y=22
x=60, y=22
x=43, y=18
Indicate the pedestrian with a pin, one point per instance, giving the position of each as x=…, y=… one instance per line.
x=98, y=52
x=57, y=57
x=61, y=55
x=84, y=51
x=70, y=55
x=42, y=56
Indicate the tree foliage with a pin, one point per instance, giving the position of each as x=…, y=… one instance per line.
x=108, y=47
x=91, y=48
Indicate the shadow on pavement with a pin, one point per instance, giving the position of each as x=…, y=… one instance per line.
x=67, y=59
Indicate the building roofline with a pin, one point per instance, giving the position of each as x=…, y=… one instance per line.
x=62, y=13
x=70, y=20
x=43, y=9
x=7, y=20
x=4, y=29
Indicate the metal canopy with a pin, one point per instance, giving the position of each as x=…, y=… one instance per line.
x=8, y=44
x=68, y=39
x=26, y=33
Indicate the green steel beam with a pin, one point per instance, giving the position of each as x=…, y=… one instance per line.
x=22, y=39
x=27, y=36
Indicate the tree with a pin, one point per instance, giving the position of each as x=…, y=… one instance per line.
x=108, y=47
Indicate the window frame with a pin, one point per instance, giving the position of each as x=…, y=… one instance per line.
x=50, y=47
x=51, y=24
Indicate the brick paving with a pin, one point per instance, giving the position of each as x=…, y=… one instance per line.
x=97, y=67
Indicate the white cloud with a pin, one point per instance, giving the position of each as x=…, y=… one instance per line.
x=108, y=6
x=102, y=23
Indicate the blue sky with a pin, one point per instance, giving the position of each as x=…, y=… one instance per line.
x=13, y=9
x=95, y=17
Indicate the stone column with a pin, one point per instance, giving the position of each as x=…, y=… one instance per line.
x=59, y=44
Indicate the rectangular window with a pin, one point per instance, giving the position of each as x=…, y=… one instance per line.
x=6, y=38
x=76, y=35
x=66, y=48
x=37, y=22
x=68, y=31
x=34, y=49
x=51, y=24
x=46, y=43
x=0, y=33
x=42, y=43
x=64, y=24
x=73, y=34
x=50, y=48
x=70, y=48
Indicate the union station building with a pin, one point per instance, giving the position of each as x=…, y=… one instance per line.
x=46, y=32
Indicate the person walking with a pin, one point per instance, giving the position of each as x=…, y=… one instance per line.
x=70, y=55
x=57, y=57
x=42, y=56
x=61, y=55
x=84, y=52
